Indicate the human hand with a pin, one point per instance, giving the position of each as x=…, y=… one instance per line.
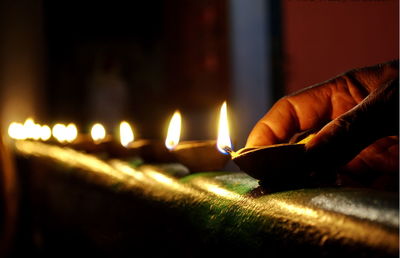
x=358, y=113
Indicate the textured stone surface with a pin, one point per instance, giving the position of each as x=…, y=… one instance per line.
x=81, y=204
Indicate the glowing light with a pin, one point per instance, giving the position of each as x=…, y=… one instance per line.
x=17, y=131
x=223, y=130
x=59, y=132
x=35, y=132
x=98, y=132
x=125, y=134
x=174, y=131
x=71, y=132
x=30, y=128
x=45, y=133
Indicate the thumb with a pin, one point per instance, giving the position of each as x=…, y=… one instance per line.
x=343, y=138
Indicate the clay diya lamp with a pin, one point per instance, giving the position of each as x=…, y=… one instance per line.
x=68, y=136
x=200, y=156
x=85, y=143
x=151, y=151
x=278, y=167
x=119, y=149
x=96, y=142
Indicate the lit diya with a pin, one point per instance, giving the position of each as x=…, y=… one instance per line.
x=199, y=155
x=278, y=166
x=149, y=150
x=96, y=142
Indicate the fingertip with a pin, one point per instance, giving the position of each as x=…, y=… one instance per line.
x=261, y=135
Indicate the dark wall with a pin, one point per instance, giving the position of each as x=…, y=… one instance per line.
x=325, y=38
x=136, y=60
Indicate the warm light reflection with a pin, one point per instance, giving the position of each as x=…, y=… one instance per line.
x=98, y=132
x=296, y=209
x=174, y=131
x=71, y=132
x=220, y=191
x=45, y=133
x=125, y=134
x=59, y=132
x=17, y=131
x=223, y=130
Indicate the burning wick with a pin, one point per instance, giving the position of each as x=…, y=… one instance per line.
x=125, y=133
x=224, y=142
x=98, y=133
x=174, y=131
x=228, y=150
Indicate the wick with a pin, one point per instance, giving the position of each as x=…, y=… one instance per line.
x=228, y=149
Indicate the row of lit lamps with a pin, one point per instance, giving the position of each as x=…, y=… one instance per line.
x=68, y=133
x=61, y=132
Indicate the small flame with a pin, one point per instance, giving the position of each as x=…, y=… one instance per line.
x=17, y=131
x=223, y=130
x=59, y=132
x=45, y=133
x=125, y=133
x=32, y=130
x=174, y=131
x=35, y=132
x=71, y=132
x=98, y=132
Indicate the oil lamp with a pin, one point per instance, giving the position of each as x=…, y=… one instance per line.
x=199, y=155
x=120, y=149
x=96, y=142
x=148, y=150
x=278, y=166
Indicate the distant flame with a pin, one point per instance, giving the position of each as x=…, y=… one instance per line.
x=32, y=130
x=59, y=132
x=174, y=131
x=125, y=133
x=45, y=133
x=223, y=130
x=98, y=132
x=17, y=131
x=71, y=132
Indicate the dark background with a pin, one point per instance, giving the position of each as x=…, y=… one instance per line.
x=139, y=60
x=90, y=61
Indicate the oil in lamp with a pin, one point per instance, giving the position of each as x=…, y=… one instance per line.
x=199, y=155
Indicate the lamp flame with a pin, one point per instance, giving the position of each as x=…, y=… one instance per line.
x=125, y=133
x=58, y=132
x=174, y=131
x=17, y=131
x=98, y=132
x=31, y=129
x=71, y=132
x=223, y=140
x=45, y=133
